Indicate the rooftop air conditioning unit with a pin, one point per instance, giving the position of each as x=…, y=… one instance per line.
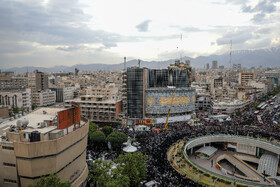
x=43, y=125
x=12, y=128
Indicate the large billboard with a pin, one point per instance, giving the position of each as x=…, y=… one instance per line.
x=158, y=101
x=68, y=117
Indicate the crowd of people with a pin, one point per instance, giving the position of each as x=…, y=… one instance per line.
x=155, y=144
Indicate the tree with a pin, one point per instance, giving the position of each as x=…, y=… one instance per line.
x=15, y=110
x=97, y=139
x=134, y=167
x=117, y=139
x=51, y=180
x=92, y=127
x=107, y=130
x=108, y=174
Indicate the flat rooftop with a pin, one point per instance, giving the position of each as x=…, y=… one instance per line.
x=35, y=117
x=107, y=101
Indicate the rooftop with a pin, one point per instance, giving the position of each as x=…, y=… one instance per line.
x=38, y=116
x=43, y=120
x=108, y=101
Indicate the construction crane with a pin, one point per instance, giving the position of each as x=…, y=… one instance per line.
x=165, y=127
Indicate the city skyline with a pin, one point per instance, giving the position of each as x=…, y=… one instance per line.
x=48, y=33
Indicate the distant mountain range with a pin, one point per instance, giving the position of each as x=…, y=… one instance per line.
x=269, y=57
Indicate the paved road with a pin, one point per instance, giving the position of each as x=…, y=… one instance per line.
x=250, y=172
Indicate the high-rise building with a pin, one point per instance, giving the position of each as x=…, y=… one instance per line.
x=150, y=91
x=46, y=141
x=217, y=87
x=237, y=67
x=76, y=71
x=245, y=77
x=214, y=64
x=38, y=81
x=207, y=66
x=124, y=93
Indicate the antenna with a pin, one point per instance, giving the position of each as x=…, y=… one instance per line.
x=230, y=54
x=139, y=63
x=124, y=63
x=181, y=45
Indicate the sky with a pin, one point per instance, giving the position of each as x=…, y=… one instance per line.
x=67, y=32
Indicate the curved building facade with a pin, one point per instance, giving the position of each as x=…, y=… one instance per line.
x=46, y=141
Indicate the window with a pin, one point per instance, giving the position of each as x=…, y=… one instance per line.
x=26, y=136
x=9, y=164
x=9, y=180
x=7, y=147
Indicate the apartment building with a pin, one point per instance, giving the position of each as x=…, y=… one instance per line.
x=63, y=94
x=17, y=98
x=98, y=108
x=273, y=75
x=46, y=141
x=44, y=98
x=245, y=78
x=214, y=64
x=109, y=90
x=217, y=87
x=229, y=106
x=38, y=81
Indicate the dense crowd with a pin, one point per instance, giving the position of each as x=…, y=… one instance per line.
x=155, y=144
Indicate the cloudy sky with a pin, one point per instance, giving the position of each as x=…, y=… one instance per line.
x=67, y=32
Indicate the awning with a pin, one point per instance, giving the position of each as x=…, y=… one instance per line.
x=207, y=150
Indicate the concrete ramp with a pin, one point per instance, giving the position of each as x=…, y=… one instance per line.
x=268, y=164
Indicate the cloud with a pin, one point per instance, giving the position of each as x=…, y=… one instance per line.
x=143, y=26
x=59, y=23
x=258, y=17
x=238, y=36
x=261, y=10
x=235, y=2
x=265, y=6
x=70, y=48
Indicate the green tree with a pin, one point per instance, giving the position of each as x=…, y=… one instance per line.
x=52, y=180
x=134, y=165
x=117, y=139
x=15, y=110
x=97, y=139
x=106, y=173
x=92, y=127
x=107, y=130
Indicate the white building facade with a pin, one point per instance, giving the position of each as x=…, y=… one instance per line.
x=44, y=98
x=19, y=98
